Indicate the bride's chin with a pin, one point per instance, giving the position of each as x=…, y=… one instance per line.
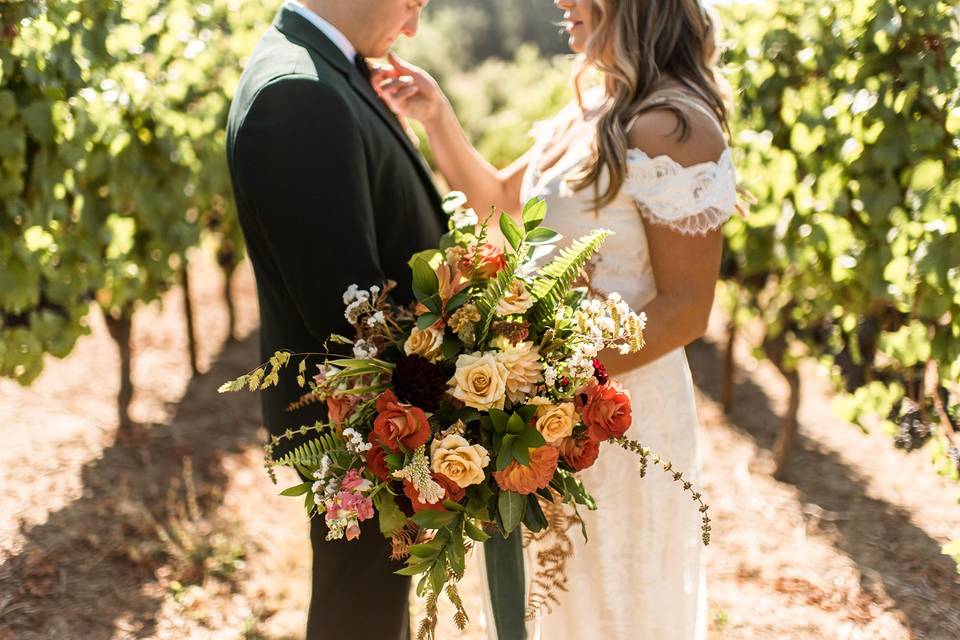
x=575, y=45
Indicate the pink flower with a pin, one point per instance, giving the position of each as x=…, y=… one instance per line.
x=353, y=532
x=348, y=505
x=354, y=481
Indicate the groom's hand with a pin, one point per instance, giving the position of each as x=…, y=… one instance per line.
x=408, y=90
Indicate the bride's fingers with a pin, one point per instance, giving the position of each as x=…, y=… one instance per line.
x=399, y=64
x=393, y=85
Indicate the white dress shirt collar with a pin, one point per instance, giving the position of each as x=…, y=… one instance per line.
x=336, y=36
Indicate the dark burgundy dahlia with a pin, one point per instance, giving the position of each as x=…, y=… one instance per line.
x=419, y=382
x=600, y=371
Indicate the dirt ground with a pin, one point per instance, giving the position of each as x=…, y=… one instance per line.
x=179, y=534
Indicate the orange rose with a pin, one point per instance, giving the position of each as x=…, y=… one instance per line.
x=340, y=407
x=451, y=492
x=377, y=463
x=399, y=424
x=605, y=409
x=525, y=479
x=490, y=260
x=581, y=452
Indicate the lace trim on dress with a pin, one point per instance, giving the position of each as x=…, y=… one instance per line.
x=693, y=200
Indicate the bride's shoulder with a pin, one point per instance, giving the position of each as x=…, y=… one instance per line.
x=659, y=132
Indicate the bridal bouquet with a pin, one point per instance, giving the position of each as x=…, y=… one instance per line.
x=458, y=417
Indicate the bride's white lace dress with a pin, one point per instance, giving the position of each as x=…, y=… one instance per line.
x=641, y=575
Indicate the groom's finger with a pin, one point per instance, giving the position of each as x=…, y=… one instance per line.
x=397, y=63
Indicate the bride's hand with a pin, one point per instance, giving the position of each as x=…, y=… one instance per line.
x=408, y=90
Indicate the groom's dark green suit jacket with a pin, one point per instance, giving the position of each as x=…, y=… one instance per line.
x=329, y=190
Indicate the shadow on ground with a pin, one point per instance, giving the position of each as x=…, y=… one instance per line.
x=878, y=536
x=84, y=573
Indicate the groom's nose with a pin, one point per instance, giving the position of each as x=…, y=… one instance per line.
x=411, y=26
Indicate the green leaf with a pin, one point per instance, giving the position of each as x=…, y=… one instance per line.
x=297, y=490
x=474, y=532
x=543, y=236
x=505, y=455
x=479, y=499
x=453, y=506
x=415, y=569
x=427, y=549
x=527, y=412
x=511, y=231
x=451, y=347
x=456, y=555
x=534, y=211
x=390, y=517
x=456, y=301
x=432, y=257
x=534, y=518
x=438, y=577
x=531, y=438
x=425, y=283
x=499, y=419
x=434, y=519
x=394, y=460
x=520, y=453
x=515, y=424
x=511, y=506
x=427, y=320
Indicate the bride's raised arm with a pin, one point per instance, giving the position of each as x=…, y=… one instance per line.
x=412, y=92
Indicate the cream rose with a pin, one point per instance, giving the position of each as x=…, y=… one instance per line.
x=428, y=344
x=555, y=422
x=459, y=460
x=516, y=300
x=480, y=381
x=522, y=361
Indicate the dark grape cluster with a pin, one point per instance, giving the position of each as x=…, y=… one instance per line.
x=914, y=432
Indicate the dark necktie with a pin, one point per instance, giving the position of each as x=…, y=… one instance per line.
x=361, y=63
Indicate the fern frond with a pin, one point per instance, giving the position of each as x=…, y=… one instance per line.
x=556, y=278
x=496, y=289
x=310, y=452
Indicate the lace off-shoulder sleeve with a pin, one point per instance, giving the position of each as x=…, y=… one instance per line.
x=692, y=200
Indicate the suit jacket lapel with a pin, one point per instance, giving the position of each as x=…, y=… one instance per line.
x=296, y=27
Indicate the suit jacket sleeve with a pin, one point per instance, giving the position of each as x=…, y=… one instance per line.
x=302, y=163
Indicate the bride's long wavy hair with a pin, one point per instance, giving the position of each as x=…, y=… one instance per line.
x=635, y=43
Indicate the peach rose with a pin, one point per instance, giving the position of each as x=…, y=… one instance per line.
x=580, y=453
x=490, y=260
x=399, y=424
x=522, y=362
x=480, y=381
x=459, y=460
x=516, y=300
x=555, y=422
x=428, y=344
x=605, y=409
x=525, y=479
